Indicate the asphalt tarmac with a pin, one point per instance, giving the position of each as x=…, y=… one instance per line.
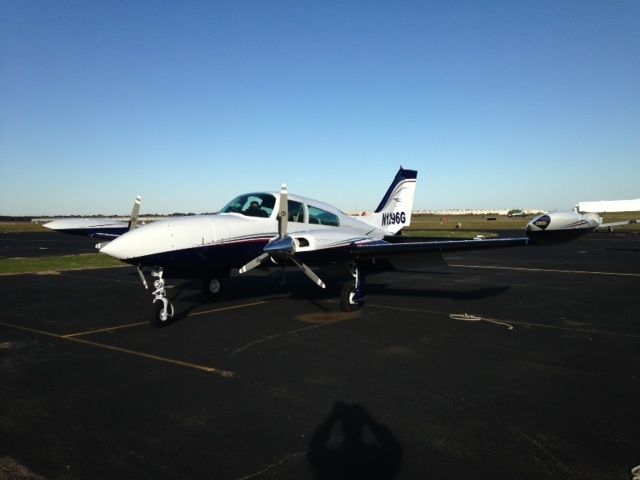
x=45, y=244
x=539, y=380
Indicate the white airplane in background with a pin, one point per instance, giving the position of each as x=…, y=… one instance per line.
x=266, y=228
x=105, y=228
x=558, y=227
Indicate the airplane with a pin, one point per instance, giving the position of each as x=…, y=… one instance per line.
x=558, y=227
x=105, y=228
x=267, y=228
x=516, y=213
x=263, y=229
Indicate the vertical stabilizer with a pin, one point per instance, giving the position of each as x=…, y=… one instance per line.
x=394, y=211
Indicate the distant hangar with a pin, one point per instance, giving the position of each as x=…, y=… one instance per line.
x=609, y=206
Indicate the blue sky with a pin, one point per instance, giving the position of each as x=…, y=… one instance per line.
x=501, y=104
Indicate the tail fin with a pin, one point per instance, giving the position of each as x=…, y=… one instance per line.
x=394, y=211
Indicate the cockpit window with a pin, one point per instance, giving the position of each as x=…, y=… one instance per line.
x=322, y=217
x=296, y=211
x=251, y=205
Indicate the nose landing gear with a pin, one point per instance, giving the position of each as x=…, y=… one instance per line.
x=162, y=308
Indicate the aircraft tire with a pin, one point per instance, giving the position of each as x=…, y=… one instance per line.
x=347, y=294
x=158, y=319
x=211, y=287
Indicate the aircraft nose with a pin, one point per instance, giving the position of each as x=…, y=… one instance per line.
x=119, y=248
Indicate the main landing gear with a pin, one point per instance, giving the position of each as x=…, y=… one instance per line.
x=212, y=285
x=352, y=295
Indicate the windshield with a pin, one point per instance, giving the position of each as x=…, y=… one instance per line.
x=252, y=205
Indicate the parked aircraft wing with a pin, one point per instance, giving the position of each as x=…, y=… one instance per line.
x=382, y=248
x=616, y=224
x=90, y=227
x=98, y=228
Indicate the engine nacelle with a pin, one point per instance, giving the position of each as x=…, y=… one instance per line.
x=559, y=227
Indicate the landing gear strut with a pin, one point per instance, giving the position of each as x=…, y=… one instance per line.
x=352, y=294
x=162, y=307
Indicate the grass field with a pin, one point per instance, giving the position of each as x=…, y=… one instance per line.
x=20, y=227
x=458, y=234
x=466, y=222
x=15, y=266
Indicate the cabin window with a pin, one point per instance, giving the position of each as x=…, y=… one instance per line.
x=296, y=211
x=251, y=205
x=542, y=222
x=322, y=217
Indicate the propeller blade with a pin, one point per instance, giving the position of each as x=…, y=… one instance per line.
x=254, y=263
x=308, y=272
x=133, y=221
x=283, y=215
x=142, y=279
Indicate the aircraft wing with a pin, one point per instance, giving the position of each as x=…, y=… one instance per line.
x=323, y=244
x=91, y=227
x=100, y=228
x=416, y=256
x=383, y=249
x=617, y=224
x=322, y=247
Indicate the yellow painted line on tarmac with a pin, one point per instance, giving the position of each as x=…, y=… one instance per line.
x=583, y=272
x=137, y=324
x=106, y=329
x=233, y=307
x=73, y=337
x=203, y=368
x=32, y=330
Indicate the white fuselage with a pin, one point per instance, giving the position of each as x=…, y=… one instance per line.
x=236, y=234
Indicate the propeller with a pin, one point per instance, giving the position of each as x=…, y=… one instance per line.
x=133, y=224
x=133, y=221
x=283, y=246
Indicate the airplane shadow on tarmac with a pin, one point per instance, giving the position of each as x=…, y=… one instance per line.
x=438, y=293
x=367, y=449
x=298, y=287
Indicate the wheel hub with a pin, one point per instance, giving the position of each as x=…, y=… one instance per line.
x=214, y=286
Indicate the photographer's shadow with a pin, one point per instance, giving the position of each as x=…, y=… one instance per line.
x=353, y=454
